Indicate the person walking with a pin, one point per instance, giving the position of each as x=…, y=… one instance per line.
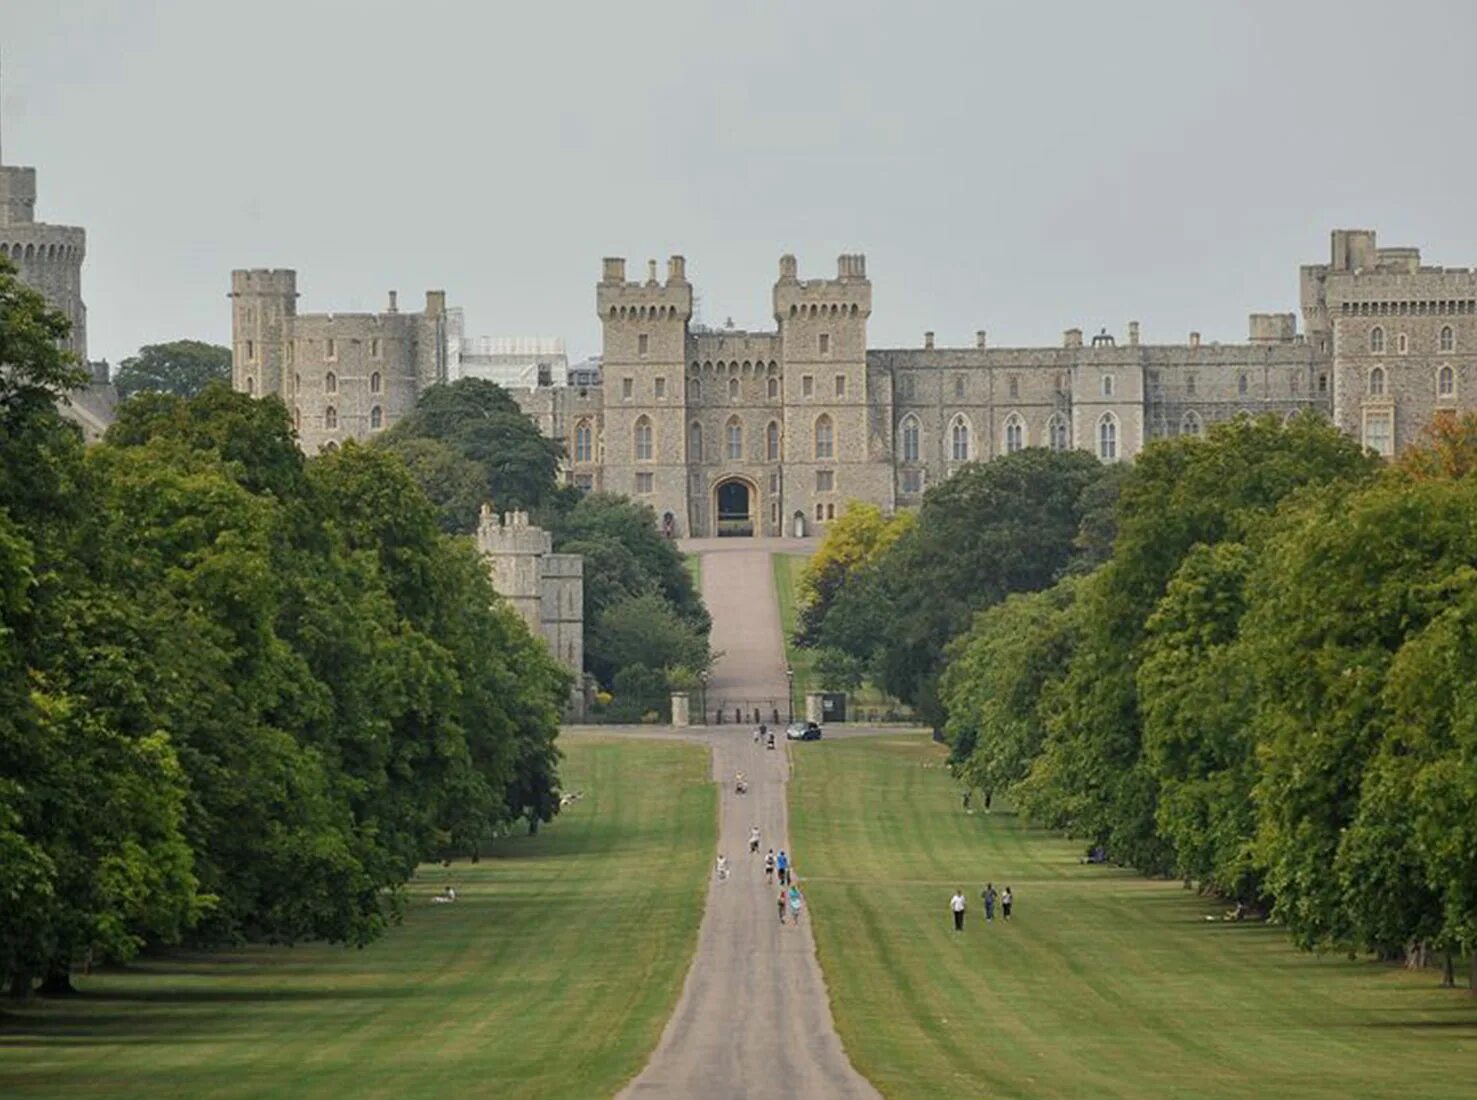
x=784, y=901
x=782, y=867
x=956, y=905
x=795, y=903
x=769, y=866
x=1006, y=900
x=754, y=841
x=987, y=895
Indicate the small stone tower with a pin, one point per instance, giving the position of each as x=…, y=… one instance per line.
x=645, y=347
x=263, y=303
x=48, y=257
x=546, y=589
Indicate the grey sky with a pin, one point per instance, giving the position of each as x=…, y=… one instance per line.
x=1021, y=168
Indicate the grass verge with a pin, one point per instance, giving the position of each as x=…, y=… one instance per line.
x=551, y=976
x=1104, y=984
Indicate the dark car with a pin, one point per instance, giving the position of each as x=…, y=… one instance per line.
x=803, y=731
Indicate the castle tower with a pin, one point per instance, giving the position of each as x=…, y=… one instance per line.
x=263, y=303
x=515, y=551
x=828, y=439
x=645, y=345
x=47, y=257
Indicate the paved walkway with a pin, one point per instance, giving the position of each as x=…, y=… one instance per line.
x=753, y=1019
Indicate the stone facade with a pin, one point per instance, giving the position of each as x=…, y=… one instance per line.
x=342, y=375
x=47, y=257
x=546, y=589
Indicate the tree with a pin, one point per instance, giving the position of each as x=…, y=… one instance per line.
x=644, y=630
x=857, y=538
x=455, y=484
x=181, y=367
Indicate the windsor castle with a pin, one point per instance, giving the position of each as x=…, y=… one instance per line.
x=769, y=433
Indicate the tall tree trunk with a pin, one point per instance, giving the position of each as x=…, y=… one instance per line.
x=58, y=981
x=20, y=985
x=1448, y=973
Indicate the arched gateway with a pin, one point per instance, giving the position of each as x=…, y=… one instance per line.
x=735, y=504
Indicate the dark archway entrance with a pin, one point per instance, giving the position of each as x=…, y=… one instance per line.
x=735, y=500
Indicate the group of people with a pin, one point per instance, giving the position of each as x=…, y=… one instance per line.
x=776, y=866
x=989, y=896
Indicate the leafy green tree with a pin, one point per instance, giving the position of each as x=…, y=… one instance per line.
x=858, y=537
x=837, y=670
x=180, y=367
x=455, y=484
x=644, y=630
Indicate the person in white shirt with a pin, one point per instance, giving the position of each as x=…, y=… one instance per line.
x=956, y=904
x=754, y=840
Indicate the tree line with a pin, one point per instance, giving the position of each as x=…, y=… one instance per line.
x=242, y=694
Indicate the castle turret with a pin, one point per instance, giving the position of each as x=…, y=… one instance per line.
x=263, y=303
x=48, y=258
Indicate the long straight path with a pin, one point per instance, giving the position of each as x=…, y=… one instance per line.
x=753, y=1019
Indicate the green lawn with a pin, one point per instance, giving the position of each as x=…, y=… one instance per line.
x=787, y=570
x=1103, y=985
x=553, y=974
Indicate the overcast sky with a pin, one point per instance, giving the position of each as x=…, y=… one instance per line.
x=1021, y=168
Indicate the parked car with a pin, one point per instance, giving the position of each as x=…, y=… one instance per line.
x=803, y=731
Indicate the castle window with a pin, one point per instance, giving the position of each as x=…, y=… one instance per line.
x=330, y=383
x=825, y=343
x=330, y=418
x=772, y=388
x=910, y=439
x=733, y=389
x=660, y=387
x=807, y=385
x=772, y=442
x=641, y=345
x=1107, y=385
x=375, y=382
x=830, y=511
x=695, y=442
x=905, y=386
x=1377, y=340
x=628, y=388
x=1190, y=384
x=841, y=385
x=1377, y=382
x=959, y=439
x=1402, y=345
x=820, y=512
x=584, y=442
x=1107, y=437
x=912, y=481
x=1323, y=383
x=646, y=483
x=297, y=383
x=1190, y=424
x=1377, y=431
x=251, y=386
x=251, y=351
x=735, y=436
x=825, y=440
x=694, y=390
x=1446, y=382
x=825, y=481
x=958, y=385
x=1013, y=386
x=1448, y=338
x=643, y=439
x=1015, y=434
x=376, y=417
x=374, y=347
x=1242, y=384
x=1056, y=433
x=330, y=348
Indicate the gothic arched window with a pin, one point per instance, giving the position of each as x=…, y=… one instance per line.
x=825, y=440
x=910, y=439
x=584, y=442
x=1191, y=424
x=773, y=388
x=330, y=383
x=1377, y=382
x=1448, y=338
x=734, y=435
x=330, y=418
x=959, y=439
x=1056, y=432
x=642, y=439
x=772, y=441
x=1015, y=434
x=375, y=383
x=1377, y=340
x=376, y=417
x=1107, y=437
x=1446, y=382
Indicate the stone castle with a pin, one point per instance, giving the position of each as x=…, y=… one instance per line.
x=769, y=433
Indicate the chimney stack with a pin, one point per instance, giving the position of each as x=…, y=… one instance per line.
x=676, y=269
x=1133, y=334
x=979, y=338
x=435, y=303
x=928, y=339
x=394, y=302
x=613, y=270
x=1194, y=339
x=1072, y=338
x=651, y=273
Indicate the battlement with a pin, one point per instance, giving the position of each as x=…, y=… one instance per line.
x=847, y=295
x=17, y=196
x=264, y=280
x=511, y=534
x=619, y=300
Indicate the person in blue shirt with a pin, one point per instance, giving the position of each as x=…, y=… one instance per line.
x=782, y=865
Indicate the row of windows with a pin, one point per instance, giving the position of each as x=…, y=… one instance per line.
x=330, y=418
x=644, y=446
x=732, y=366
x=330, y=349
x=695, y=388
x=1382, y=309
x=1445, y=382
x=1445, y=340
x=959, y=435
x=644, y=313
x=44, y=252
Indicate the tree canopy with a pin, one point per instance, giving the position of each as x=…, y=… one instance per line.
x=180, y=367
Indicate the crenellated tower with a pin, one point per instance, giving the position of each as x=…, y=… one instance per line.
x=645, y=341
x=263, y=303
